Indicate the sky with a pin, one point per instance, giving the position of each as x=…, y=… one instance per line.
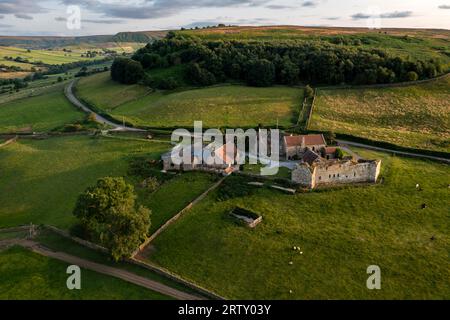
x=93, y=17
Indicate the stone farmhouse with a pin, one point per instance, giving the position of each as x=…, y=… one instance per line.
x=318, y=164
x=225, y=158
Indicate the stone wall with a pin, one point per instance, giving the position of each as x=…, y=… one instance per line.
x=346, y=172
x=336, y=173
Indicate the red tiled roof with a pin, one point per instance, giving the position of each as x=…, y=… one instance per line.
x=310, y=140
x=330, y=150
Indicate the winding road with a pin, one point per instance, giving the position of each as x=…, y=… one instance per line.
x=100, y=268
x=68, y=91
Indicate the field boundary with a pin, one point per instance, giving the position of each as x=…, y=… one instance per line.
x=177, y=216
x=7, y=142
x=161, y=271
x=386, y=85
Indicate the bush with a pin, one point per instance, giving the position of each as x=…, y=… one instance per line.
x=234, y=187
x=151, y=184
x=339, y=153
x=169, y=83
x=309, y=92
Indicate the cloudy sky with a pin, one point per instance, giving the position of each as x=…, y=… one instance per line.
x=59, y=17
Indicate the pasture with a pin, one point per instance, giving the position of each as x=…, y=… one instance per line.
x=44, y=56
x=414, y=116
x=39, y=113
x=340, y=232
x=218, y=106
x=41, y=179
x=29, y=276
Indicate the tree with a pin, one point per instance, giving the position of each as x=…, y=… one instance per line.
x=126, y=71
x=261, y=73
x=108, y=213
x=151, y=60
x=200, y=76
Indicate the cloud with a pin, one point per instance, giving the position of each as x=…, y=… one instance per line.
x=23, y=16
x=310, y=3
x=61, y=19
x=389, y=15
x=20, y=7
x=332, y=18
x=278, y=7
x=152, y=9
x=396, y=14
x=444, y=6
x=103, y=21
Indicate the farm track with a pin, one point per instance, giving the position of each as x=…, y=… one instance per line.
x=68, y=92
x=100, y=268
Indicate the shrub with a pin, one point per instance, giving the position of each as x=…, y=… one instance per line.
x=234, y=187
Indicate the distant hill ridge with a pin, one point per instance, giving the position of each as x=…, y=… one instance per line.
x=45, y=42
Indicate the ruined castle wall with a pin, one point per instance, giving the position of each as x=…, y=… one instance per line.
x=347, y=172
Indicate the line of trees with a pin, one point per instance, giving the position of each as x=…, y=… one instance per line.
x=261, y=63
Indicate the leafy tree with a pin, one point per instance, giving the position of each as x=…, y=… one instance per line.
x=261, y=73
x=200, y=76
x=151, y=60
x=108, y=213
x=126, y=71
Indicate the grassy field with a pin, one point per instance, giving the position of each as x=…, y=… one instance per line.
x=42, y=179
x=27, y=275
x=414, y=116
x=58, y=243
x=340, y=232
x=215, y=106
x=106, y=94
x=44, y=56
x=37, y=114
x=176, y=194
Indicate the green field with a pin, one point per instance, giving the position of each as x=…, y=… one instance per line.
x=44, y=56
x=340, y=232
x=29, y=276
x=175, y=195
x=40, y=113
x=228, y=105
x=42, y=179
x=415, y=116
x=106, y=94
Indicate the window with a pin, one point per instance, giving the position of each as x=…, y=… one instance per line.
x=320, y=178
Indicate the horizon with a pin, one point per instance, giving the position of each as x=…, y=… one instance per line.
x=215, y=26
x=105, y=17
